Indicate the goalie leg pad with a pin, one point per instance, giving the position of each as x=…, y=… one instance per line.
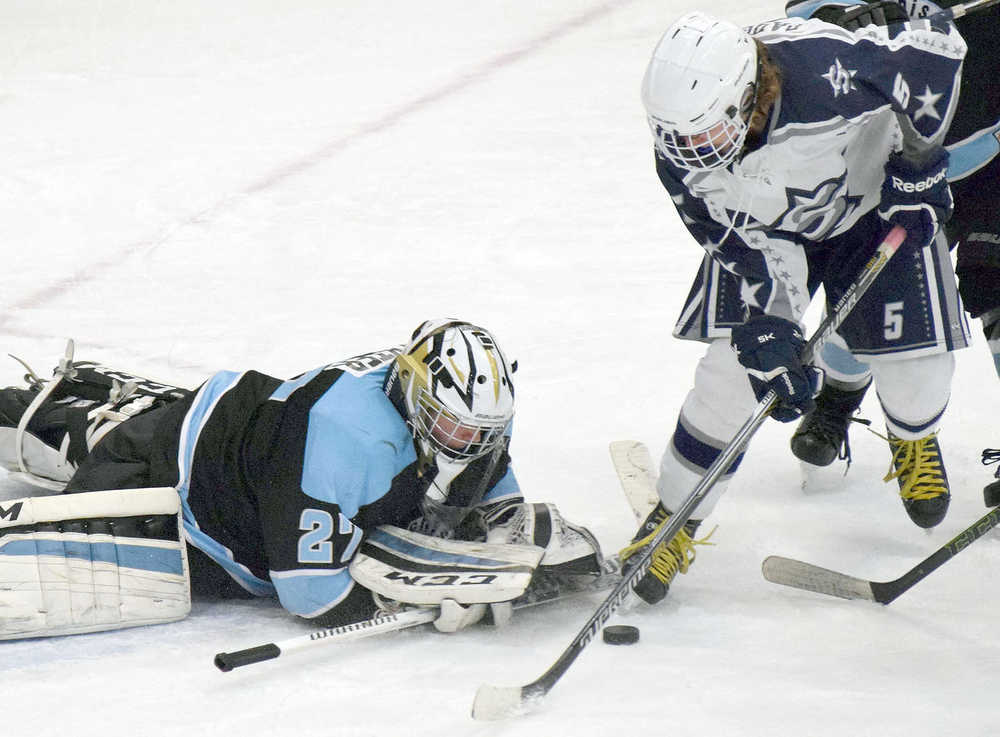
x=414, y=568
x=92, y=561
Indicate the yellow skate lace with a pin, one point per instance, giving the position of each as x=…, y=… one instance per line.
x=918, y=463
x=668, y=559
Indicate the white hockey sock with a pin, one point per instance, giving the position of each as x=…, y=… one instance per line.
x=713, y=412
x=914, y=393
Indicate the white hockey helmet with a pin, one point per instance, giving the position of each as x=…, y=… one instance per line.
x=456, y=388
x=698, y=91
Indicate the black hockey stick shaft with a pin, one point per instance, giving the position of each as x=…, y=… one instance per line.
x=957, y=11
x=493, y=702
x=888, y=591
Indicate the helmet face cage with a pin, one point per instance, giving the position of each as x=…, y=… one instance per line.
x=445, y=433
x=711, y=147
x=457, y=389
x=699, y=91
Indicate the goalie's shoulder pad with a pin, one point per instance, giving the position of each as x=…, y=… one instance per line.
x=101, y=560
x=419, y=569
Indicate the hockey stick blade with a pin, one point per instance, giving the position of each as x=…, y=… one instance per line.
x=502, y=702
x=634, y=467
x=801, y=575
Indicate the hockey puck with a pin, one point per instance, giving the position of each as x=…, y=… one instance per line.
x=621, y=634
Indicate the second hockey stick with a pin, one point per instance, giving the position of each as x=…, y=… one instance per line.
x=957, y=11
x=500, y=702
x=393, y=621
x=801, y=575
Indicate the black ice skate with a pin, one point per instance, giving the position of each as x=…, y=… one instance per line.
x=923, y=481
x=669, y=558
x=991, y=494
x=821, y=437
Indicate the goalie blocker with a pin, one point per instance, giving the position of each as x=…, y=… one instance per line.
x=525, y=544
x=91, y=561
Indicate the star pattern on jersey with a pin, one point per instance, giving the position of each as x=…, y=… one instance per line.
x=840, y=78
x=748, y=293
x=928, y=100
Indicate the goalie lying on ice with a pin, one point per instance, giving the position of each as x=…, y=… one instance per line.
x=383, y=476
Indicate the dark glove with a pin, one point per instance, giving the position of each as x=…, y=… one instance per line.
x=875, y=13
x=770, y=348
x=917, y=196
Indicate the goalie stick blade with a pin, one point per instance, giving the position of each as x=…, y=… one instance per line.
x=800, y=575
x=634, y=467
x=502, y=702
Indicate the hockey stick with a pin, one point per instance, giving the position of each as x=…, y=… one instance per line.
x=957, y=11
x=382, y=623
x=499, y=702
x=355, y=631
x=801, y=575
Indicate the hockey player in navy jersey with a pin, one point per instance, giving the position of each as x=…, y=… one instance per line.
x=790, y=150
x=973, y=142
x=281, y=481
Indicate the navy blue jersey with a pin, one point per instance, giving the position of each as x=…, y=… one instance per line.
x=819, y=166
x=280, y=480
x=973, y=138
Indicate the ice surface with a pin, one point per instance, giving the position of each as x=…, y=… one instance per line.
x=190, y=186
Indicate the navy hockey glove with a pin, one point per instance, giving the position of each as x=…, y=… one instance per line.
x=770, y=348
x=877, y=13
x=917, y=197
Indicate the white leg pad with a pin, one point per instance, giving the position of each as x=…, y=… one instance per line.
x=88, y=562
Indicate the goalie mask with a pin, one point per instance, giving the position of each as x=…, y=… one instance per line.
x=698, y=91
x=455, y=386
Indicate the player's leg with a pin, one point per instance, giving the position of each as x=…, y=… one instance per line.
x=713, y=412
x=906, y=326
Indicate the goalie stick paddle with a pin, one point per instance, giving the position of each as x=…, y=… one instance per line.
x=801, y=575
x=501, y=702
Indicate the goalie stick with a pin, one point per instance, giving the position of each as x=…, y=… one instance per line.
x=544, y=590
x=390, y=622
x=500, y=702
x=801, y=575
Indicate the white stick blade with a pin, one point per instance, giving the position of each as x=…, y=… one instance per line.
x=500, y=702
x=634, y=466
x=800, y=575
